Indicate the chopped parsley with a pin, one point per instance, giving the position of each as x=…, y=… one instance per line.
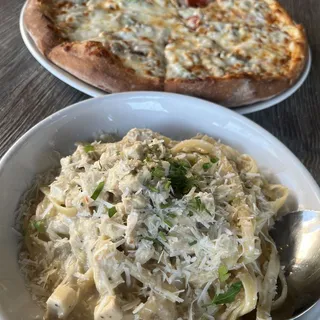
x=172, y=215
x=180, y=183
x=223, y=273
x=162, y=235
x=168, y=223
x=157, y=172
x=152, y=188
x=149, y=239
x=155, y=241
x=39, y=226
x=112, y=211
x=167, y=185
x=196, y=204
x=192, y=243
x=229, y=296
x=88, y=148
x=165, y=205
x=98, y=190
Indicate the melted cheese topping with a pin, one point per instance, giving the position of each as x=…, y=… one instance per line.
x=164, y=39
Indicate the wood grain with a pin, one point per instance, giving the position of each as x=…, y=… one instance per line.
x=29, y=93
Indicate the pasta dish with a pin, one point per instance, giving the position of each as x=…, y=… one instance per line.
x=150, y=228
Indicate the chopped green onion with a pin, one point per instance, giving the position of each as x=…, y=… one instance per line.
x=112, y=211
x=196, y=204
x=207, y=166
x=223, y=273
x=192, y=243
x=151, y=188
x=148, y=159
x=185, y=163
x=172, y=215
x=214, y=160
x=88, y=148
x=229, y=296
x=165, y=205
x=168, y=223
x=167, y=185
x=162, y=235
x=98, y=190
x=39, y=226
x=157, y=172
x=155, y=241
x=149, y=239
x=190, y=214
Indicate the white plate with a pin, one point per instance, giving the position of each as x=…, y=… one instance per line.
x=94, y=92
x=174, y=115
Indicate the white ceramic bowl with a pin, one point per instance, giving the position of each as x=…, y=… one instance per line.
x=174, y=115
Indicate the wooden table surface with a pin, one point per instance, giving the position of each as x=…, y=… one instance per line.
x=29, y=93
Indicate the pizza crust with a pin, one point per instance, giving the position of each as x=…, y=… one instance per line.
x=96, y=65
x=229, y=92
x=40, y=27
x=236, y=92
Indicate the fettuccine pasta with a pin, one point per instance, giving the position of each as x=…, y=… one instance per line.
x=151, y=228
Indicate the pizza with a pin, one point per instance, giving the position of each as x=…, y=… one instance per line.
x=233, y=52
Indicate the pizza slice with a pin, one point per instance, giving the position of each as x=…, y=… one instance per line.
x=255, y=12
x=278, y=52
x=114, y=45
x=199, y=66
x=250, y=12
x=259, y=57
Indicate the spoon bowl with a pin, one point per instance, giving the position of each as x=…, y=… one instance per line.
x=297, y=237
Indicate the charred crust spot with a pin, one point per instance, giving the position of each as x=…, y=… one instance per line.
x=130, y=70
x=96, y=49
x=67, y=47
x=271, y=19
x=197, y=3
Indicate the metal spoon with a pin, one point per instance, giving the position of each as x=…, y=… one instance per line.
x=297, y=236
